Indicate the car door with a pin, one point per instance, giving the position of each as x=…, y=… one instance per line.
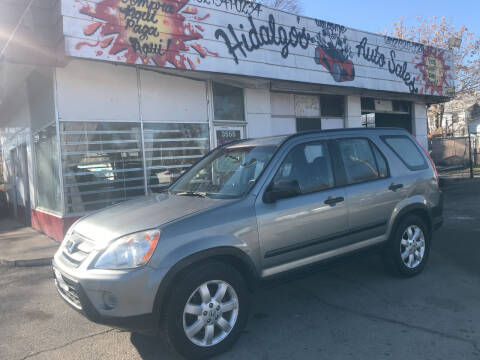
x=371, y=192
x=312, y=222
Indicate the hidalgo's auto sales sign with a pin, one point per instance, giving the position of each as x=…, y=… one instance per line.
x=244, y=38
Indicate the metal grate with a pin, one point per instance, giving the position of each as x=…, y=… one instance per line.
x=76, y=249
x=68, y=291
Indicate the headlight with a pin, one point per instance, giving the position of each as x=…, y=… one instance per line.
x=129, y=252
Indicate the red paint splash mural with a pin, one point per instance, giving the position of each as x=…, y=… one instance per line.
x=434, y=71
x=145, y=31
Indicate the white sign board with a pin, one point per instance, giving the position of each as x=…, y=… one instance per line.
x=244, y=38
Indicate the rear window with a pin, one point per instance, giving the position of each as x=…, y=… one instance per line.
x=407, y=151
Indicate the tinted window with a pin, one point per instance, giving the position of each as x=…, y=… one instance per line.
x=308, y=124
x=332, y=105
x=407, y=151
x=401, y=106
x=310, y=165
x=359, y=160
x=368, y=104
x=228, y=102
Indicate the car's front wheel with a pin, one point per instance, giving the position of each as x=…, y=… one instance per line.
x=206, y=310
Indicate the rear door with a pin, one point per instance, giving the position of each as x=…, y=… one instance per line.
x=371, y=191
x=310, y=223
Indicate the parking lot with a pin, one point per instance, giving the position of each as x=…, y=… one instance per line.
x=354, y=310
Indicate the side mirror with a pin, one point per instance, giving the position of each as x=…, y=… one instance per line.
x=282, y=189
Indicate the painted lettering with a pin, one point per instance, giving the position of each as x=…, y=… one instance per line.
x=396, y=68
x=254, y=38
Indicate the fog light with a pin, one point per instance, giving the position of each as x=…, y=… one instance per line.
x=109, y=300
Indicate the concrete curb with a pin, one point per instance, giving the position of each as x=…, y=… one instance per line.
x=26, y=263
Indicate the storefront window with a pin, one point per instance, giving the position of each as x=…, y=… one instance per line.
x=171, y=148
x=46, y=169
x=228, y=103
x=102, y=164
x=332, y=105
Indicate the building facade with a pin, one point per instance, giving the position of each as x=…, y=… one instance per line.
x=131, y=93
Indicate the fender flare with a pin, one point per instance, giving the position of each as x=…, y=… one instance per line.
x=252, y=274
x=417, y=207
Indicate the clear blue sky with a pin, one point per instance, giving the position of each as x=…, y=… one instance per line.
x=375, y=15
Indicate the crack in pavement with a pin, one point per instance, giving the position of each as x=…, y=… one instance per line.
x=67, y=344
x=475, y=345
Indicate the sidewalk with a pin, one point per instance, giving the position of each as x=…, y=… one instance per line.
x=23, y=246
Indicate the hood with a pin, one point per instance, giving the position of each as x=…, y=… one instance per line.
x=141, y=214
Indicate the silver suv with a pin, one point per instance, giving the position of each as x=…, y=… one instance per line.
x=184, y=262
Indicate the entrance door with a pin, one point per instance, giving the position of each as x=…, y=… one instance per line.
x=311, y=222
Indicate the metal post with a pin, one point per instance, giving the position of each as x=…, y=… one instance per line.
x=470, y=152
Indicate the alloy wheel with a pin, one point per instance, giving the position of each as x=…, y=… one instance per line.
x=210, y=313
x=412, y=246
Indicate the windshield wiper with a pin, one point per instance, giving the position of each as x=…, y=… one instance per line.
x=192, y=193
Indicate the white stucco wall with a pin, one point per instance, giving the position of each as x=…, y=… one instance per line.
x=172, y=98
x=96, y=91
x=419, y=123
x=283, y=113
x=353, y=118
x=258, y=112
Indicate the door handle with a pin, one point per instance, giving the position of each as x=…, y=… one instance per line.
x=395, y=187
x=334, y=200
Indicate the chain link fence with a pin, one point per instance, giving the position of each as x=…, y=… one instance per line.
x=452, y=155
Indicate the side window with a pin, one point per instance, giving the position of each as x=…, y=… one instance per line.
x=407, y=151
x=359, y=161
x=310, y=165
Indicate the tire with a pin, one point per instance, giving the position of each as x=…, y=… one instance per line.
x=404, y=255
x=188, y=288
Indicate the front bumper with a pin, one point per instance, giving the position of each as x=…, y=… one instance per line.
x=135, y=292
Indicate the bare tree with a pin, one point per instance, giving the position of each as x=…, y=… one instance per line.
x=291, y=6
x=437, y=32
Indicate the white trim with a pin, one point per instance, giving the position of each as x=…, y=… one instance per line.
x=59, y=145
x=210, y=113
x=230, y=122
x=135, y=121
x=49, y=212
x=98, y=120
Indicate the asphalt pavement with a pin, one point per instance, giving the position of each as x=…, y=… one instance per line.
x=354, y=310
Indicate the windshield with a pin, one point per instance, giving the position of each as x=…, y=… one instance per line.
x=228, y=172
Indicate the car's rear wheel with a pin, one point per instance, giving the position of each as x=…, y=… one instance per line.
x=206, y=311
x=409, y=247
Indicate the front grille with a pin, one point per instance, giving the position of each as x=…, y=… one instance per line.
x=68, y=290
x=77, y=249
